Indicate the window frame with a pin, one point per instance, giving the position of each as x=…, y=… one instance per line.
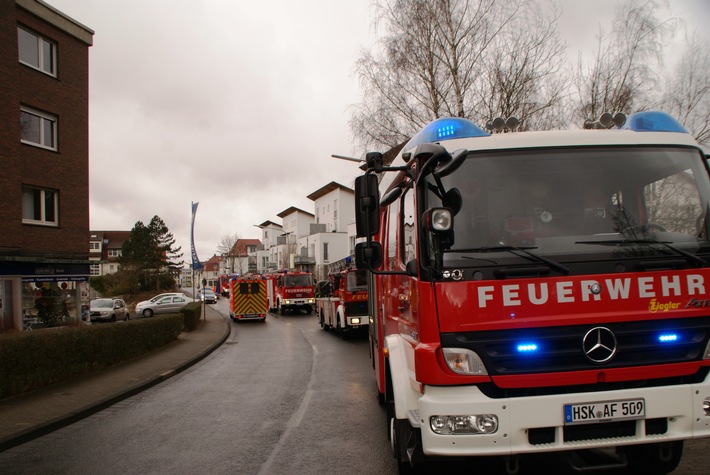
x=43, y=116
x=40, y=42
x=43, y=212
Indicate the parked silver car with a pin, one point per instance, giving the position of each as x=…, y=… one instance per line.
x=207, y=296
x=108, y=310
x=170, y=303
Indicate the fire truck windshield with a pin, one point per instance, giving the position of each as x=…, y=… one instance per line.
x=297, y=280
x=559, y=201
x=356, y=280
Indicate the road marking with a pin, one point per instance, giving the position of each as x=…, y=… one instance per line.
x=296, y=418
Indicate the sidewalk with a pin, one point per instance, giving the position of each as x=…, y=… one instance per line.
x=30, y=415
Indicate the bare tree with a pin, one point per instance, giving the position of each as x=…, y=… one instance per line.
x=226, y=249
x=476, y=59
x=624, y=70
x=523, y=71
x=425, y=66
x=687, y=91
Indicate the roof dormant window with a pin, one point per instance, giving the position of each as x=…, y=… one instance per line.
x=38, y=128
x=37, y=52
x=40, y=206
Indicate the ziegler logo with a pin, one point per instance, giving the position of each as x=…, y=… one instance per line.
x=654, y=306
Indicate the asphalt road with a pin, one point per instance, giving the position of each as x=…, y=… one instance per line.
x=280, y=397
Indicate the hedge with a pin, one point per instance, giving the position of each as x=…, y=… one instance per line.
x=38, y=358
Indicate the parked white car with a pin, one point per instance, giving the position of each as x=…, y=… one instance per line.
x=169, y=303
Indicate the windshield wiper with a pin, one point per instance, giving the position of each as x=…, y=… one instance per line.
x=692, y=258
x=514, y=250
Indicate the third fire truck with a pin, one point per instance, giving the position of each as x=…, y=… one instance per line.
x=342, y=301
x=291, y=290
x=541, y=292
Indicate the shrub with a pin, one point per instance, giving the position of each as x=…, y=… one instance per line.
x=30, y=360
x=192, y=313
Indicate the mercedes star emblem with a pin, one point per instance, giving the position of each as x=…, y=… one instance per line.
x=599, y=344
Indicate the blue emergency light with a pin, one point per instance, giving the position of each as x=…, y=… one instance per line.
x=527, y=347
x=668, y=337
x=447, y=128
x=653, y=121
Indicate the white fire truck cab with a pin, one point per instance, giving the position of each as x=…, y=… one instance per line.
x=540, y=291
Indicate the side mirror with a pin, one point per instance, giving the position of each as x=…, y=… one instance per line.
x=367, y=205
x=368, y=255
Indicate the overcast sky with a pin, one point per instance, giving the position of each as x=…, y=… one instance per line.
x=236, y=106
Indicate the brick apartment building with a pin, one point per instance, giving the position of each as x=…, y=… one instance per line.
x=44, y=152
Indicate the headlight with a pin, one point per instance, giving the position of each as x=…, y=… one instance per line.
x=354, y=321
x=463, y=361
x=464, y=424
x=287, y=302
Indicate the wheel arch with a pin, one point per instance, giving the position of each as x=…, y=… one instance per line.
x=404, y=396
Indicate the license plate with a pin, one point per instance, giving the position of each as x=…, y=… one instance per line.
x=604, y=411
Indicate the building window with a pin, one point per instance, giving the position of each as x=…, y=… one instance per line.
x=38, y=128
x=325, y=252
x=40, y=206
x=37, y=52
x=94, y=269
x=95, y=246
x=114, y=253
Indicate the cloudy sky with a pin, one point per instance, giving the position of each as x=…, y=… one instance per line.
x=236, y=106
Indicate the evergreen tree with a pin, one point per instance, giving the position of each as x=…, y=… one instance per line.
x=150, y=256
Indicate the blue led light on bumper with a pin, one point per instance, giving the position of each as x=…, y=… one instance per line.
x=668, y=337
x=446, y=129
x=527, y=348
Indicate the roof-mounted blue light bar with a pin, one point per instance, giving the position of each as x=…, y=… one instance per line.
x=653, y=121
x=446, y=129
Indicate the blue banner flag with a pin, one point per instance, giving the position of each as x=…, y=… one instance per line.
x=196, y=265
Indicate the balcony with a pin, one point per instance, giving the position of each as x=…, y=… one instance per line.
x=304, y=260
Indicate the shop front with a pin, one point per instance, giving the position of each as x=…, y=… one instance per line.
x=38, y=295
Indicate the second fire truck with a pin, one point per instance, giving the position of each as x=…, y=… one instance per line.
x=342, y=301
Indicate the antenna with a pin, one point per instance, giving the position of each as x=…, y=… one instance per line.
x=352, y=159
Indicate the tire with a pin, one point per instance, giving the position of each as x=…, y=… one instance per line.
x=113, y=317
x=401, y=434
x=147, y=313
x=653, y=459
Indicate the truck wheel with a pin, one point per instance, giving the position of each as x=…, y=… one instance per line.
x=653, y=459
x=403, y=440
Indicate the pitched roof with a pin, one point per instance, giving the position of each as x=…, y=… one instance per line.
x=324, y=190
x=240, y=247
x=292, y=210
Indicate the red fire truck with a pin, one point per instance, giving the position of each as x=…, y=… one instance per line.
x=541, y=291
x=342, y=301
x=248, y=299
x=224, y=285
x=290, y=290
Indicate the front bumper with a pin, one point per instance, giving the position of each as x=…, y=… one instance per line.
x=536, y=424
